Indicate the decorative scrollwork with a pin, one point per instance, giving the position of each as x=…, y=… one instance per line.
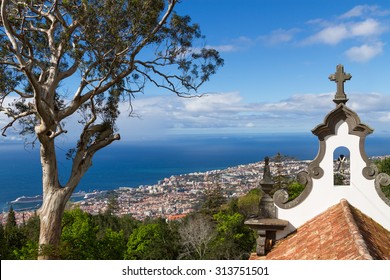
x=369, y=172
x=382, y=180
x=316, y=172
x=281, y=197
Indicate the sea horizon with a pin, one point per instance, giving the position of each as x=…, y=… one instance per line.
x=133, y=164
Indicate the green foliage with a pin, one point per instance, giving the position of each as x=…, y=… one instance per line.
x=13, y=237
x=31, y=228
x=78, y=239
x=11, y=220
x=105, y=221
x=280, y=180
x=153, y=241
x=213, y=200
x=3, y=244
x=231, y=206
x=384, y=167
x=113, y=206
x=248, y=205
x=100, y=237
x=234, y=239
x=112, y=245
x=29, y=251
x=294, y=190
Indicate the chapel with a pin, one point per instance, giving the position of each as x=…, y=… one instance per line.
x=342, y=212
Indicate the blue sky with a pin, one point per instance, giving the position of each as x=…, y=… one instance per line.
x=278, y=56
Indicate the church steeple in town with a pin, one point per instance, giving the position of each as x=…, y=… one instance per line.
x=340, y=77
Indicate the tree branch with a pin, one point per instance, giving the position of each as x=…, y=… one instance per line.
x=15, y=118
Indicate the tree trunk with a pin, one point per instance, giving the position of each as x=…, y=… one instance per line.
x=54, y=201
x=50, y=216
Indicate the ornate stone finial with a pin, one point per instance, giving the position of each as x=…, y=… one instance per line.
x=340, y=77
x=267, y=178
x=267, y=206
x=266, y=224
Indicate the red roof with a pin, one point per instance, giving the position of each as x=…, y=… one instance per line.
x=176, y=217
x=341, y=233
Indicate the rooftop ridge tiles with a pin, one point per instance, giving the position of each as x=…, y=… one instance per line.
x=359, y=241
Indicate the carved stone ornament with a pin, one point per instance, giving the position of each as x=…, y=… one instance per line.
x=340, y=77
x=382, y=180
x=342, y=112
x=281, y=197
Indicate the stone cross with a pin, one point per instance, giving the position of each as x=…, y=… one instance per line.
x=340, y=77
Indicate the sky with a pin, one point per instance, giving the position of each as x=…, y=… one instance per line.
x=278, y=57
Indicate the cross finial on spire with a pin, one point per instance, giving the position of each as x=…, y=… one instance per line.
x=340, y=77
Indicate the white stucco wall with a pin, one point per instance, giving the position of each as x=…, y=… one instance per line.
x=360, y=193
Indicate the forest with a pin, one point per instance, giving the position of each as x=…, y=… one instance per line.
x=216, y=231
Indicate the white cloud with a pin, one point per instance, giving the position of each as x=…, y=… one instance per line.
x=243, y=42
x=279, y=36
x=365, y=10
x=368, y=27
x=385, y=117
x=364, y=52
x=208, y=103
x=224, y=48
x=234, y=45
x=362, y=27
x=336, y=33
x=228, y=112
x=358, y=11
x=331, y=35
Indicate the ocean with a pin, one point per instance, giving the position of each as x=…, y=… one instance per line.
x=142, y=163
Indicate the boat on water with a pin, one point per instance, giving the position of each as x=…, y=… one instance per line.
x=94, y=194
x=27, y=199
x=39, y=198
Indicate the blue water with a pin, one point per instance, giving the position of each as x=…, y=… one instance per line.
x=134, y=164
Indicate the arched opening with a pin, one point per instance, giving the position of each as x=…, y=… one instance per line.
x=341, y=167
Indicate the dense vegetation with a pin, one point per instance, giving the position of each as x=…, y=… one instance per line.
x=215, y=232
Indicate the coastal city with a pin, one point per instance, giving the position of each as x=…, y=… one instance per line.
x=182, y=194
x=179, y=195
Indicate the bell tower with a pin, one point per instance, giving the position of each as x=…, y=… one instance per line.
x=341, y=128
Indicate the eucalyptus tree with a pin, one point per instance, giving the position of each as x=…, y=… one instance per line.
x=64, y=58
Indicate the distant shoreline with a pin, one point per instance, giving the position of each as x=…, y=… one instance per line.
x=81, y=197
x=135, y=164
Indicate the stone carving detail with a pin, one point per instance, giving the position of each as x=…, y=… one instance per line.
x=341, y=112
x=369, y=172
x=340, y=77
x=261, y=243
x=316, y=172
x=381, y=180
x=281, y=197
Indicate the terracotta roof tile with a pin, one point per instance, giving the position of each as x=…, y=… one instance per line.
x=342, y=232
